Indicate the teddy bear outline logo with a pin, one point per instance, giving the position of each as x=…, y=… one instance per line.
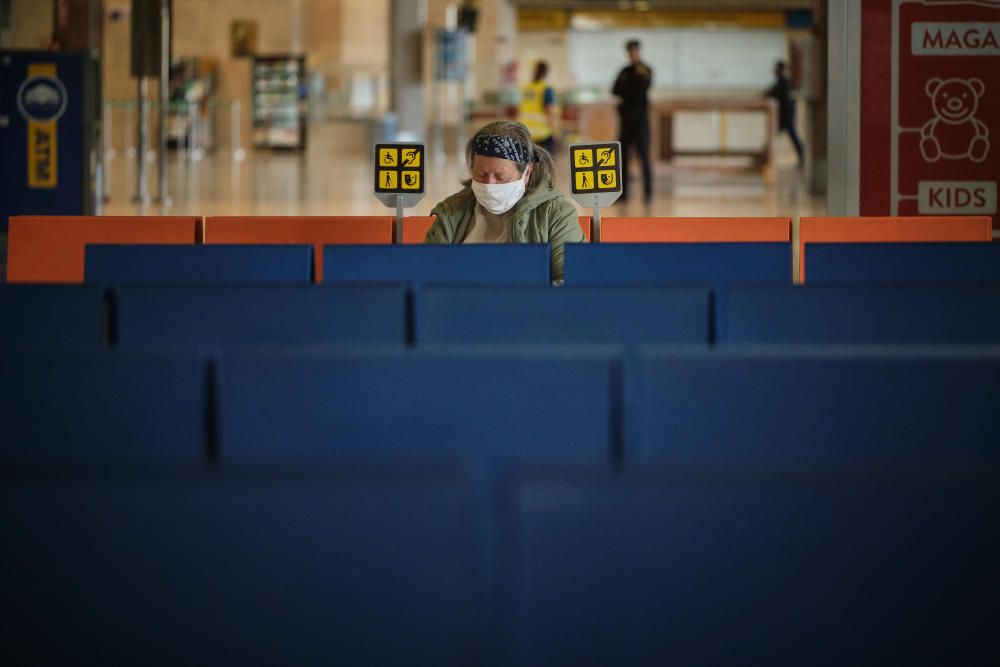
x=955, y=102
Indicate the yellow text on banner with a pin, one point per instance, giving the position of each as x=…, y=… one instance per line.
x=43, y=147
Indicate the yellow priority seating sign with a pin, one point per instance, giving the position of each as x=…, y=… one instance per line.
x=399, y=174
x=596, y=173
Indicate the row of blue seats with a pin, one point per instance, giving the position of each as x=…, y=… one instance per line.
x=585, y=264
x=386, y=314
x=357, y=565
x=734, y=407
x=793, y=507
x=504, y=264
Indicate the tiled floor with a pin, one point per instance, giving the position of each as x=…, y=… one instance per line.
x=333, y=177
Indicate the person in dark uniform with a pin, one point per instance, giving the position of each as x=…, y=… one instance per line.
x=632, y=87
x=781, y=92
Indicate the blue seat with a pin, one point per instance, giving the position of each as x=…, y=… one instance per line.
x=51, y=315
x=200, y=264
x=759, y=570
x=386, y=405
x=768, y=407
x=318, y=567
x=913, y=263
x=121, y=407
x=717, y=264
x=859, y=314
x=561, y=315
x=266, y=314
x=504, y=264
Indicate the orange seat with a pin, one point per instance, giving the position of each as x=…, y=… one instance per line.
x=415, y=228
x=886, y=229
x=696, y=230
x=49, y=249
x=318, y=230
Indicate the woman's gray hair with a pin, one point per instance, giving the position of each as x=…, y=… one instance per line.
x=545, y=167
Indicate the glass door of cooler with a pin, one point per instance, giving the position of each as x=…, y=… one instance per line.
x=279, y=102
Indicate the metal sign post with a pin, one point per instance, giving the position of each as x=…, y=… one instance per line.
x=399, y=218
x=399, y=178
x=596, y=178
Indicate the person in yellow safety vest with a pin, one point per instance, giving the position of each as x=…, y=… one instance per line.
x=538, y=108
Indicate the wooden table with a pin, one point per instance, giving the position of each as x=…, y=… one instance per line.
x=598, y=121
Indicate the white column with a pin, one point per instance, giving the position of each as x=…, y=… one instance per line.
x=406, y=89
x=843, y=108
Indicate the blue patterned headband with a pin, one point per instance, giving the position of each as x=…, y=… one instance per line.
x=508, y=148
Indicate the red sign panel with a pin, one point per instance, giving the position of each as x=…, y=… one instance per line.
x=937, y=150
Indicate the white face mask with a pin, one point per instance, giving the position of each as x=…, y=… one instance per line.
x=501, y=197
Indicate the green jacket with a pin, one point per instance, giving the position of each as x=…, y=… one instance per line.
x=542, y=216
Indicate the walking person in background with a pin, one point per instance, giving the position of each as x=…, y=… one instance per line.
x=538, y=108
x=632, y=87
x=781, y=92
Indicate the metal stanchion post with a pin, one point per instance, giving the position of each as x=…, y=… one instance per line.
x=128, y=137
x=194, y=126
x=183, y=140
x=161, y=194
x=99, y=187
x=142, y=192
x=109, y=144
x=234, y=131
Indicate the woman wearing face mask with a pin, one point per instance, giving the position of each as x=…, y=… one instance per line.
x=510, y=198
